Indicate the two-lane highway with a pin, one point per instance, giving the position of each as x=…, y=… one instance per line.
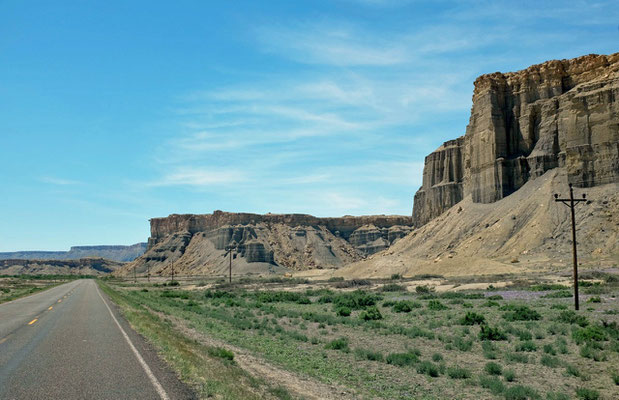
x=68, y=342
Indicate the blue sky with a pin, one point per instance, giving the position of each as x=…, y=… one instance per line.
x=113, y=112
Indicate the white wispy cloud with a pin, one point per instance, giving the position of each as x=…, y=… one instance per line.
x=200, y=177
x=59, y=181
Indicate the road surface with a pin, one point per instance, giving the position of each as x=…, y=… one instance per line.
x=69, y=342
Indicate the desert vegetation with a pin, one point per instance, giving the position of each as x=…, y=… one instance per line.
x=15, y=286
x=391, y=340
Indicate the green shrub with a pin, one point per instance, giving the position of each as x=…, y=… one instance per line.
x=396, y=276
x=493, y=368
x=558, y=307
x=489, y=349
x=587, y=394
x=495, y=297
x=520, y=392
x=356, y=300
x=594, y=299
x=436, y=305
x=343, y=311
x=492, y=383
x=550, y=361
x=428, y=368
x=526, y=345
x=542, y=287
x=491, y=303
x=522, y=313
x=458, y=373
x=472, y=318
x=463, y=344
x=424, y=289
x=364, y=354
x=221, y=353
x=405, y=306
x=338, y=344
x=615, y=376
x=371, y=314
x=509, y=375
x=572, y=370
x=588, y=351
x=549, y=349
x=525, y=335
x=517, y=357
x=489, y=333
x=402, y=359
x=335, y=279
x=393, y=287
x=557, y=396
x=436, y=357
x=570, y=317
x=591, y=333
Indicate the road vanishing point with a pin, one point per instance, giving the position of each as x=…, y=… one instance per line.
x=70, y=342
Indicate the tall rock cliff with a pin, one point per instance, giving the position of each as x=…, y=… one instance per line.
x=556, y=114
x=197, y=244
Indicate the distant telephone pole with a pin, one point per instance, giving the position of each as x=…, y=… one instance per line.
x=172, y=274
x=230, y=248
x=135, y=279
x=571, y=203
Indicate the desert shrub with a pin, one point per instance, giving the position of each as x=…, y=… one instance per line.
x=428, y=368
x=463, y=344
x=396, y=276
x=590, y=352
x=524, y=335
x=352, y=283
x=572, y=370
x=549, y=349
x=492, y=383
x=546, y=286
x=343, y=311
x=522, y=313
x=558, y=307
x=335, y=279
x=436, y=357
x=491, y=303
x=281, y=296
x=489, y=333
x=520, y=392
x=570, y=317
x=402, y=359
x=557, y=396
x=355, y=300
x=405, y=306
x=590, y=333
x=436, y=305
x=550, y=361
x=472, y=318
x=218, y=294
x=371, y=314
x=338, y=344
x=495, y=297
x=493, y=368
x=587, y=394
x=509, y=375
x=220, y=352
x=517, y=357
x=363, y=354
x=559, y=294
x=393, y=287
x=489, y=349
x=458, y=373
x=526, y=345
x=594, y=299
x=424, y=289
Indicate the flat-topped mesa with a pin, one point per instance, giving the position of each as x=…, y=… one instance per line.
x=561, y=113
x=193, y=223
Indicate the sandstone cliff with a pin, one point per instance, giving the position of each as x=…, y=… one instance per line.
x=113, y=252
x=556, y=114
x=196, y=244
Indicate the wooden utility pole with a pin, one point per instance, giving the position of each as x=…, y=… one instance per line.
x=135, y=279
x=571, y=203
x=230, y=248
x=172, y=274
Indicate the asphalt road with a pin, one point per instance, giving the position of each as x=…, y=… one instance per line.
x=69, y=342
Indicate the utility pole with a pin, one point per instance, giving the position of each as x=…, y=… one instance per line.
x=230, y=248
x=571, y=203
x=135, y=279
x=172, y=274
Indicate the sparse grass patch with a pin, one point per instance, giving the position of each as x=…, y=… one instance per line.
x=338, y=344
x=493, y=368
x=489, y=333
x=587, y=394
x=458, y=373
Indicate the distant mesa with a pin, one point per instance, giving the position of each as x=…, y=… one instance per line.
x=114, y=253
x=83, y=266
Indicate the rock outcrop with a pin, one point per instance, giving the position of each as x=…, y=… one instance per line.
x=556, y=114
x=198, y=244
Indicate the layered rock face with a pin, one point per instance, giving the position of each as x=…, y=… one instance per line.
x=83, y=266
x=196, y=244
x=556, y=114
x=114, y=253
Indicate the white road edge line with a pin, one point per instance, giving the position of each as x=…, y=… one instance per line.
x=151, y=376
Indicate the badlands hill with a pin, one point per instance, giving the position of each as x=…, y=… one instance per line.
x=486, y=204
x=196, y=244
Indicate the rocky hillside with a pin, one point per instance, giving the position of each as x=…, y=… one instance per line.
x=486, y=204
x=84, y=266
x=196, y=244
x=114, y=253
x=556, y=114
